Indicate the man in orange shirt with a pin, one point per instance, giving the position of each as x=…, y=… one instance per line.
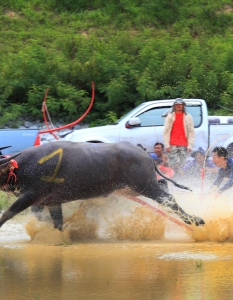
x=178, y=135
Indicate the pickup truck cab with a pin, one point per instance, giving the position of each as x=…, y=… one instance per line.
x=18, y=139
x=144, y=124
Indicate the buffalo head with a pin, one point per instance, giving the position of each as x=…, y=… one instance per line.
x=7, y=164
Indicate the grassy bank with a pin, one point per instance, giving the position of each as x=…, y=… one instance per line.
x=134, y=51
x=6, y=200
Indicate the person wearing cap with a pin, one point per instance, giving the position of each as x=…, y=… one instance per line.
x=225, y=164
x=178, y=135
x=193, y=168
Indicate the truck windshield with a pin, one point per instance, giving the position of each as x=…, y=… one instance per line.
x=131, y=112
x=154, y=116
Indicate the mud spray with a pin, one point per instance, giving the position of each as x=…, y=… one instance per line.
x=110, y=218
x=217, y=213
x=118, y=218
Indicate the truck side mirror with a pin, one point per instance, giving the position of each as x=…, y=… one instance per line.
x=133, y=122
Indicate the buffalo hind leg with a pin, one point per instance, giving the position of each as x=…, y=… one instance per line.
x=154, y=192
x=56, y=215
x=170, y=202
x=163, y=185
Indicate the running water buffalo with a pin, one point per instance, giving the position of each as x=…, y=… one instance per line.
x=59, y=172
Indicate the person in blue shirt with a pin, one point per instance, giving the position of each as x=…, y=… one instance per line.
x=225, y=165
x=193, y=168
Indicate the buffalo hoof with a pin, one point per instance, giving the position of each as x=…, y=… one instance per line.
x=194, y=220
x=198, y=221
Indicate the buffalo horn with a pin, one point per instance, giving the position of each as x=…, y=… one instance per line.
x=4, y=147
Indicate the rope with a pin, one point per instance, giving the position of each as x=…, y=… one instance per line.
x=158, y=211
x=45, y=110
x=11, y=174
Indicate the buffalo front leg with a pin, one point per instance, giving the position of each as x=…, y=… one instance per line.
x=56, y=215
x=18, y=206
x=37, y=211
x=170, y=202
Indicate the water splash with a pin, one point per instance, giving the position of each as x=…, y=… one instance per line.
x=114, y=217
x=217, y=213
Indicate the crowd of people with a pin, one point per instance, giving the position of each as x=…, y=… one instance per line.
x=171, y=157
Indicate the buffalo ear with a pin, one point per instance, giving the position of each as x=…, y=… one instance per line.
x=7, y=159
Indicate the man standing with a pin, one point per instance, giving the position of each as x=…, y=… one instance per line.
x=225, y=165
x=178, y=135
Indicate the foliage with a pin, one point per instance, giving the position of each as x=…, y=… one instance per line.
x=6, y=200
x=133, y=50
x=110, y=118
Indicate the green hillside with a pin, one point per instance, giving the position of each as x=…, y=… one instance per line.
x=134, y=51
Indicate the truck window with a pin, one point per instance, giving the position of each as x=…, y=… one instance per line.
x=195, y=112
x=153, y=117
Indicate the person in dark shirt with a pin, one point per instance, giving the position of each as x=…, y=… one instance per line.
x=193, y=169
x=225, y=165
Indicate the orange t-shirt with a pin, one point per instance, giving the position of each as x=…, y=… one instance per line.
x=168, y=172
x=178, y=137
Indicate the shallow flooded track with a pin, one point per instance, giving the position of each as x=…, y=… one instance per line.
x=112, y=248
x=123, y=270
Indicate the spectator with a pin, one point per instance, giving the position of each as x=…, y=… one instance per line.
x=193, y=168
x=159, y=151
x=178, y=135
x=230, y=150
x=225, y=165
x=168, y=172
x=165, y=171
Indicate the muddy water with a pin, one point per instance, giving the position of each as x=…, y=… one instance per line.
x=114, y=248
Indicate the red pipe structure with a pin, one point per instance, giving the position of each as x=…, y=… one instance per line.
x=50, y=130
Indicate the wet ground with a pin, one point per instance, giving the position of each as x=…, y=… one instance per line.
x=115, y=248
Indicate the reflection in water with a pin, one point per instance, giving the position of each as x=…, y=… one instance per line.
x=123, y=270
x=112, y=248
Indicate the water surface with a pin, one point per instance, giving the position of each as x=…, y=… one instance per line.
x=116, y=249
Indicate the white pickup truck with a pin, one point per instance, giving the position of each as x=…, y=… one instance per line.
x=144, y=125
